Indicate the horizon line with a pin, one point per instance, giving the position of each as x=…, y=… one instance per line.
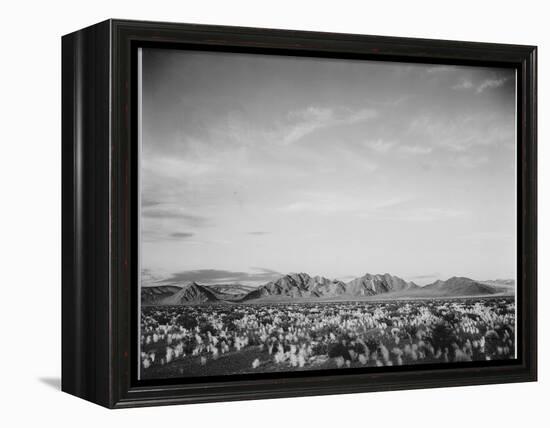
x=167, y=282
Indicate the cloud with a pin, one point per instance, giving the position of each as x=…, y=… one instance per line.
x=333, y=204
x=265, y=270
x=383, y=146
x=427, y=276
x=470, y=162
x=156, y=234
x=416, y=150
x=460, y=133
x=488, y=236
x=425, y=279
x=464, y=84
x=146, y=202
x=431, y=214
x=395, y=202
x=149, y=277
x=440, y=68
x=490, y=83
x=311, y=119
x=380, y=146
x=181, y=235
x=325, y=206
x=409, y=211
x=217, y=276
x=175, y=213
x=188, y=160
x=259, y=233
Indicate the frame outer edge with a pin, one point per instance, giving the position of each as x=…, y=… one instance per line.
x=70, y=379
x=112, y=386
x=532, y=209
x=85, y=214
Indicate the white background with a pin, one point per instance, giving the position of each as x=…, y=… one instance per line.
x=30, y=172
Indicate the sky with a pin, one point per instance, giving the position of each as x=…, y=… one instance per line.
x=255, y=166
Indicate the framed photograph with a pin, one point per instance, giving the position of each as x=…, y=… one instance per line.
x=252, y=213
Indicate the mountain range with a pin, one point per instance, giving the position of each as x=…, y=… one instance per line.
x=301, y=287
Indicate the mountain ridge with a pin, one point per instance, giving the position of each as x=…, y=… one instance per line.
x=456, y=286
x=301, y=287
x=192, y=293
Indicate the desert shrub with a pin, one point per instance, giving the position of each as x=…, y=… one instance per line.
x=359, y=347
x=206, y=327
x=187, y=321
x=189, y=344
x=266, y=321
x=345, y=337
x=477, y=355
x=450, y=318
x=322, y=332
x=387, y=321
x=411, y=330
x=482, y=327
x=373, y=345
x=163, y=318
x=253, y=339
x=491, y=343
x=338, y=350
x=442, y=336
x=320, y=348
x=231, y=319
x=504, y=329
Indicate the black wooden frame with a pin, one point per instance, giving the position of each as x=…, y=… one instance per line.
x=99, y=245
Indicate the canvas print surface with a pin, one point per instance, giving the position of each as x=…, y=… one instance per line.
x=303, y=214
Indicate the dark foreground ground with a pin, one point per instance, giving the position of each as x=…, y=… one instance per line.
x=191, y=341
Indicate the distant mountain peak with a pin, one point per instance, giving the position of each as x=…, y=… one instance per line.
x=305, y=286
x=194, y=284
x=190, y=293
x=459, y=286
x=301, y=286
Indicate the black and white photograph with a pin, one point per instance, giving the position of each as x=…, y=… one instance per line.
x=234, y=214
x=310, y=213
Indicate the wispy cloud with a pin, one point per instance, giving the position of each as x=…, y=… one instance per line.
x=431, y=214
x=175, y=213
x=424, y=279
x=470, y=162
x=490, y=83
x=394, y=202
x=416, y=150
x=182, y=235
x=149, y=202
x=158, y=234
x=183, y=166
x=383, y=146
x=488, y=236
x=259, y=233
x=411, y=211
x=426, y=276
x=321, y=206
x=218, y=276
x=462, y=132
x=308, y=120
x=332, y=204
x=440, y=69
x=379, y=145
x=464, y=84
